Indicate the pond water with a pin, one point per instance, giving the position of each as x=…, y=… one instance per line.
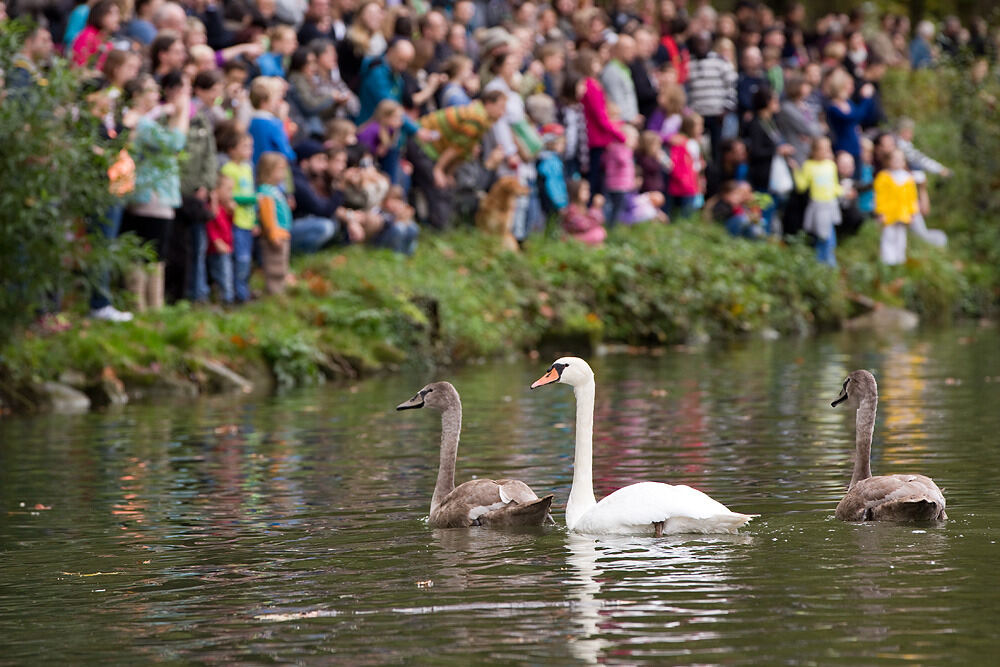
x=292, y=528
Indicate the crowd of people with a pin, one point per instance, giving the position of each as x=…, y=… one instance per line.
x=261, y=128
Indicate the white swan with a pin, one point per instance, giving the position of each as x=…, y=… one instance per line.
x=640, y=509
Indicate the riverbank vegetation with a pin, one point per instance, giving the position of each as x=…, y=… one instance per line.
x=358, y=311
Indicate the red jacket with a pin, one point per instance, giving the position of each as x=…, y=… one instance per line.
x=683, y=179
x=220, y=228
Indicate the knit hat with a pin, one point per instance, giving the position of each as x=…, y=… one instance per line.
x=308, y=148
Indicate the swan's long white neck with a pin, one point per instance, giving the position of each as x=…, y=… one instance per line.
x=581, y=495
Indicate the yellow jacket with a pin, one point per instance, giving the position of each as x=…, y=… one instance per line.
x=820, y=178
x=895, y=202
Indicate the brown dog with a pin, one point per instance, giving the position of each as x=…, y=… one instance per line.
x=495, y=215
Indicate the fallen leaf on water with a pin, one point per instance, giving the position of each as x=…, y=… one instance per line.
x=425, y=584
x=227, y=429
x=658, y=392
x=91, y=574
x=39, y=506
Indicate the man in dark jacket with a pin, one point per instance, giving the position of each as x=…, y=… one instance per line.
x=315, y=216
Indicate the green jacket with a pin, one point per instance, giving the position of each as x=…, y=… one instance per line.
x=201, y=168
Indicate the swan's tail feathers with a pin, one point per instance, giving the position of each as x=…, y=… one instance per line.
x=909, y=509
x=535, y=513
x=717, y=523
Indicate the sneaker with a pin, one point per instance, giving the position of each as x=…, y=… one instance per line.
x=111, y=314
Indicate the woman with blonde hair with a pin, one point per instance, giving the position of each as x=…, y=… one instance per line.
x=365, y=38
x=843, y=116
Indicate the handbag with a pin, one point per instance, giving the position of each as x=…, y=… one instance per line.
x=121, y=174
x=780, y=180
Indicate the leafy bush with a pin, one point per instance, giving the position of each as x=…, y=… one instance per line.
x=53, y=179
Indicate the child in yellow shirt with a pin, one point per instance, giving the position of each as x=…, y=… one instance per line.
x=818, y=177
x=895, y=205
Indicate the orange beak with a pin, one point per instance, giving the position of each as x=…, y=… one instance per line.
x=551, y=376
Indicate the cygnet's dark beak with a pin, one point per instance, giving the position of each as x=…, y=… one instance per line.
x=840, y=399
x=412, y=404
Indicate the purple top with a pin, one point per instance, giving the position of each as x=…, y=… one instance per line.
x=368, y=136
x=663, y=125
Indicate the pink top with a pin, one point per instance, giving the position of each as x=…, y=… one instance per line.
x=683, y=179
x=600, y=130
x=583, y=225
x=577, y=220
x=86, y=44
x=619, y=168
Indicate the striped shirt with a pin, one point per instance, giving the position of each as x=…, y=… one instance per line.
x=711, y=85
x=459, y=127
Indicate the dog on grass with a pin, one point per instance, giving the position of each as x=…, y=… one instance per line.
x=495, y=215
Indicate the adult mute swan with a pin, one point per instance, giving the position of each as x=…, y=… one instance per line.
x=886, y=497
x=478, y=502
x=640, y=509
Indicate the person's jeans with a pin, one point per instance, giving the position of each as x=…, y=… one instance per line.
x=596, y=174
x=220, y=267
x=616, y=207
x=197, y=270
x=685, y=204
x=825, y=248
x=107, y=226
x=242, y=263
x=398, y=237
x=389, y=163
x=311, y=233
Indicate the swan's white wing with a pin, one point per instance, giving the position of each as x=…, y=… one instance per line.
x=634, y=509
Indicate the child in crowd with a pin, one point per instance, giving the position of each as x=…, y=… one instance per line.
x=693, y=127
x=851, y=217
x=818, y=177
x=400, y=231
x=275, y=219
x=550, y=168
x=683, y=186
x=220, y=239
x=381, y=215
x=283, y=44
x=865, y=177
x=580, y=222
x=644, y=207
x=340, y=133
x=732, y=209
x=266, y=127
x=380, y=135
x=238, y=147
x=895, y=205
x=653, y=161
x=619, y=171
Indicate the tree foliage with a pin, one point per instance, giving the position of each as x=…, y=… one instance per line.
x=53, y=173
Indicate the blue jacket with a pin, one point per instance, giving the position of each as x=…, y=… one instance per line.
x=271, y=64
x=379, y=82
x=269, y=135
x=550, y=168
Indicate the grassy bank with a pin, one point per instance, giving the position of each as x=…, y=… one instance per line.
x=362, y=311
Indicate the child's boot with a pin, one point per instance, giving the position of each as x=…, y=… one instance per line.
x=135, y=284
x=155, y=286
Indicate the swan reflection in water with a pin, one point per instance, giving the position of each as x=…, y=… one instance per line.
x=628, y=592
